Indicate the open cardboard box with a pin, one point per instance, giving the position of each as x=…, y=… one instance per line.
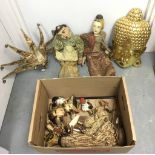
x=82, y=86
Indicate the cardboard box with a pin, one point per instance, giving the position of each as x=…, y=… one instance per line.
x=82, y=86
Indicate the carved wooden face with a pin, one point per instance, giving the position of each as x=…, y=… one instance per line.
x=97, y=27
x=60, y=112
x=68, y=107
x=65, y=33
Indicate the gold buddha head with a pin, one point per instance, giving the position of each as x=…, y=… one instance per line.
x=135, y=14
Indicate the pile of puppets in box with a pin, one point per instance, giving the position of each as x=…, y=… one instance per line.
x=83, y=122
x=130, y=36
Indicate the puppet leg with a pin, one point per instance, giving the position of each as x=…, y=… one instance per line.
x=41, y=43
x=18, y=51
x=15, y=71
x=11, y=63
x=29, y=42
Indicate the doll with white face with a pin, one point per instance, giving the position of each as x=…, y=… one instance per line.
x=96, y=51
x=97, y=27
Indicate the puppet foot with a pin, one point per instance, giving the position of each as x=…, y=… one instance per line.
x=4, y=81
x=1, y=68
x=6, y=45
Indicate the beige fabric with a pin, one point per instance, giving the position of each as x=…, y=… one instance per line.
x=68, y=54
x=68, y=69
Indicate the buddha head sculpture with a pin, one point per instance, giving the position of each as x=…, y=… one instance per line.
x=130, y=36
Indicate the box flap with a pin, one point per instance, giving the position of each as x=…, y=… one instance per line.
x=95, y=149
x=126, y=113
x=39, y=113
x=95, y=86
x=33, y=112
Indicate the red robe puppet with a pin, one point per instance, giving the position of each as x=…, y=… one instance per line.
x=97, y=61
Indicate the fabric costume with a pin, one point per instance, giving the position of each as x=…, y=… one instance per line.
x=67, y=52
x=94, y=50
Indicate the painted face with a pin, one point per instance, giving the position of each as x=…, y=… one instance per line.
x=65, y=33
x=97, y=27
x=60, y=112
x=68, y=107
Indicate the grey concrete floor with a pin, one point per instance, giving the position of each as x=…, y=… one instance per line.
x=141, y=88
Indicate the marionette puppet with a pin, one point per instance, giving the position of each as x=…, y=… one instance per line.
x=96, y=52
x=68, y=50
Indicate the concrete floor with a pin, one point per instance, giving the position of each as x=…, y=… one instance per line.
x=141, y=88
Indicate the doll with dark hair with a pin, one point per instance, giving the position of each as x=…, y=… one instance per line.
x=96, y=51
x=68, y=50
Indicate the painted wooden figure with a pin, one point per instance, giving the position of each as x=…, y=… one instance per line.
x=68, y=50
x=96, y=51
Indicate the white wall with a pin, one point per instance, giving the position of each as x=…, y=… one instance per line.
x=151, y=19
x=151, y=42
x=3, y=151
x=9, y=33
x=78, y=14
x=5, y=90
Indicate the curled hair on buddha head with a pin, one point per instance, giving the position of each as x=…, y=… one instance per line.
x=99, y=18
x=58, y=29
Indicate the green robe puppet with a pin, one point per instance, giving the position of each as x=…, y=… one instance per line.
x=68, y=50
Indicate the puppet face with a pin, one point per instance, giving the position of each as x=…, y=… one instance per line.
x=97, y=27
x=60, y=101
x=65, y=33
x=68, y=107
x=59, y=112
